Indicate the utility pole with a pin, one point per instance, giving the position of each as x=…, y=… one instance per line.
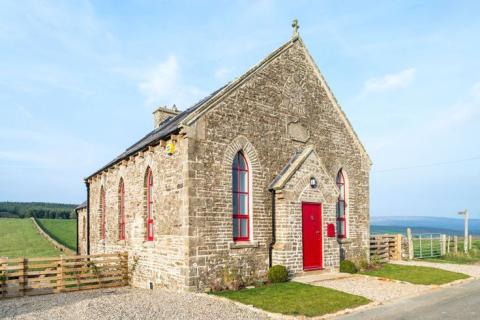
x=465, y=241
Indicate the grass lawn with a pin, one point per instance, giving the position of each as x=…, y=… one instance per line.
x=19, y=238
x=62, y=230
x=295, y=298
x=415, y=275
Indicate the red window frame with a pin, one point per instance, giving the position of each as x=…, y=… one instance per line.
x=341, y=219
x=149, y=205
x=121, y=211
x=236, y=194
x=102, y=214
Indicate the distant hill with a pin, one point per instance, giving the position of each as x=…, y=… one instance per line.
x=41, y=210
x=397, y=224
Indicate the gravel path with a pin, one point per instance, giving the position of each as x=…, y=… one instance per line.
x=377, y=290
x=124, y=303
x=468, y=269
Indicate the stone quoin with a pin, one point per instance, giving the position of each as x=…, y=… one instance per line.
x=244, y=179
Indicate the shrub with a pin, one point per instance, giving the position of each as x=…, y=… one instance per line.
x=232, y=279
x=278, y=274
x=348, y=267
x=376, y=261
x=362, y=264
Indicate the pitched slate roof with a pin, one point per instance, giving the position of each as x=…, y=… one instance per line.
x=81, y=206
x=187, y=117
x=166, y=128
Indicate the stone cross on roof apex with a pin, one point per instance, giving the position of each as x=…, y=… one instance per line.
x=295, y=27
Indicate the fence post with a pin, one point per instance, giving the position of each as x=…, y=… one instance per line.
x=431, y=245
x=443, y=248
x=420, y=241
x=23, y=278
x=448, y=244
x=455, y=244
x=3, y=276
x=398, y=247
x=410, y=244
x=470, y=242
x=60, y=284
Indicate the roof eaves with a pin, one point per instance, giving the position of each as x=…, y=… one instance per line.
x=82, y=205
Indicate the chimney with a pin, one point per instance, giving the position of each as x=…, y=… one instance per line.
x=163, y=113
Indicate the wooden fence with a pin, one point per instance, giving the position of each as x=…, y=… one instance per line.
x=386, y=247
x=35, y=276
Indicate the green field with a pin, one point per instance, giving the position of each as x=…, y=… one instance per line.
x=62, y=230
x=19, y=238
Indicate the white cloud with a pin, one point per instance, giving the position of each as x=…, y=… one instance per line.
x=391, y=81
x=163, y=85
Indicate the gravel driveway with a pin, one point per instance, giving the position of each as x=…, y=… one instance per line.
x=468, y=269
x=124, y=303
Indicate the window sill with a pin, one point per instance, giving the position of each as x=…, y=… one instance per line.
x=243, y=244
x=148, y=244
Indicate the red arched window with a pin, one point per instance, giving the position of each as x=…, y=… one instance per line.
x=341, y=206
x=149, y=190
x=121, y=211
x=240, y=198
x=103, y=210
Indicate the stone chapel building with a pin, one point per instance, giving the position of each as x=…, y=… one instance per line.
x=266, y=170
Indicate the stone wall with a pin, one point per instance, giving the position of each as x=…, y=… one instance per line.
x=280, y=109
x=275, y=112
x=82, y=231
x=162, y=261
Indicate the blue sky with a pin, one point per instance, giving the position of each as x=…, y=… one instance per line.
x=79, y=80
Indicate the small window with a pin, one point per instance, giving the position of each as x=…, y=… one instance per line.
x=341, y=206
x=240, y=198
x=121, y=211
x=149, y=191
x=103, y=210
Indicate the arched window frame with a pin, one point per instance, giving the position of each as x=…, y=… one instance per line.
x=342, y=205
x=121, y=210
x=103, y=211
x=241, y=217
x=149, y=204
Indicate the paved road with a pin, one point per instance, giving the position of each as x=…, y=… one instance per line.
x=456, y=302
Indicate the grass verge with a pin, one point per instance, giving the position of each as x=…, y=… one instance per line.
x=19, y=238
x=457, y=258
x=62, y=230
x=415, y=274
x=293, y=298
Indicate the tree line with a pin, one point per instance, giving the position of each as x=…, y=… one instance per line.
x=41, y=210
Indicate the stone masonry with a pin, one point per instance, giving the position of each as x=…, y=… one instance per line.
x=283, y=117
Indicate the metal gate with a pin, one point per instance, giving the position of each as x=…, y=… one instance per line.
x=427, y=245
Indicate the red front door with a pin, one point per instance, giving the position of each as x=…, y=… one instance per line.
x=312, y=236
